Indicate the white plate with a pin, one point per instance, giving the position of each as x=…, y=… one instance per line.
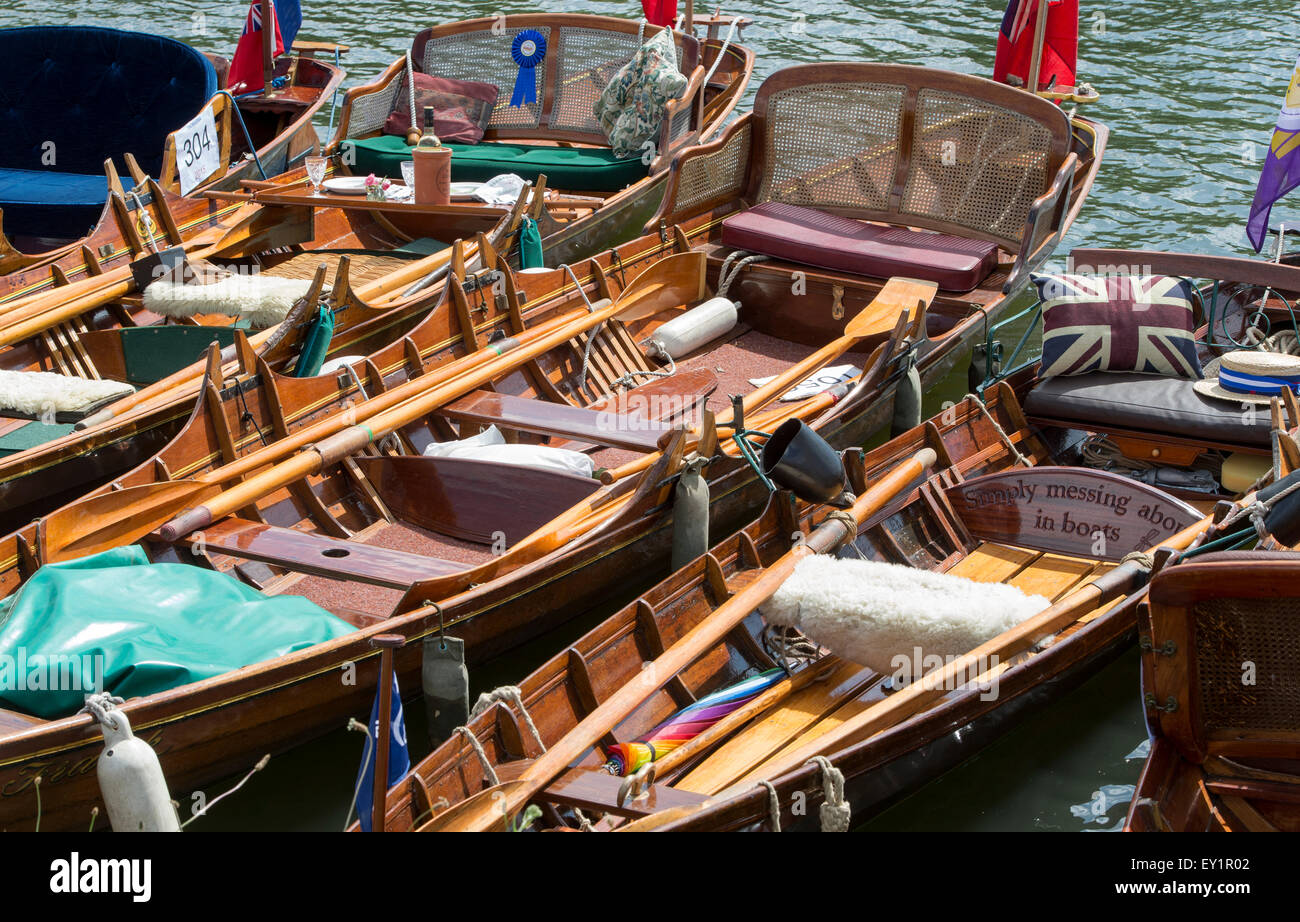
x=464, y=191
x=346, y=185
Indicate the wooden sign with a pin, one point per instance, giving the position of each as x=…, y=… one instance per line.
x=1069, y=510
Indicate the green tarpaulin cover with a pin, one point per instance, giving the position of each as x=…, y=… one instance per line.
x=144, y=627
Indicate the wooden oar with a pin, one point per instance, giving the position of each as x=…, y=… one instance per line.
x=341, y=434
x=490, y=808
x=181, y=384
x=100, y=289
x=899, y=297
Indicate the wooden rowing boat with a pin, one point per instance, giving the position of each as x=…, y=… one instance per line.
x=377, y=284
x=753, y=768
x=258, y=136
x=597, y=200
x=1220, y=689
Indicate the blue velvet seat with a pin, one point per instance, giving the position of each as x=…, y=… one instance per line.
x=72, y=97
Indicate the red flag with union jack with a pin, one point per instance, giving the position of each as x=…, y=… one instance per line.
x=246, y=66
x=1060, y=43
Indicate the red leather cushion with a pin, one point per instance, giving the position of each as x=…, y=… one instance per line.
x=815, y=238
x=461, y=108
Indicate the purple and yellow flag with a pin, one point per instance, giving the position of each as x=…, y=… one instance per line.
x=1282, y=168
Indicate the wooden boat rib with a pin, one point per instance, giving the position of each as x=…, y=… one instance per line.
x=1220, y=691
x=565, y=555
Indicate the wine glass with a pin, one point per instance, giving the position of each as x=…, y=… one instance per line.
x=316, y=171
x=408, y=174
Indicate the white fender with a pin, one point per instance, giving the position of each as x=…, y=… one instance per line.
x=689, y=331
x=131, y=781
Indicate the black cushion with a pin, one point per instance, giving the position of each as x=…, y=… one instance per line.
x=1148, y=403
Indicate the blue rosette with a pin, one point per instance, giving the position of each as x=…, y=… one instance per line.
x=528, y=50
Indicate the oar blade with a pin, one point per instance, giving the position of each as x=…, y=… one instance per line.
x=898, y=296
x=112, y=519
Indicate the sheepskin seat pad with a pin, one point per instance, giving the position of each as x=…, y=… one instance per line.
x=881, y=615
x=262, y=300
x=35, y=394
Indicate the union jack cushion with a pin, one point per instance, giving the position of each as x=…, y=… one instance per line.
x=1119, y=323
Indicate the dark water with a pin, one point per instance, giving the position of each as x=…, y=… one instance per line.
x=1190, y=91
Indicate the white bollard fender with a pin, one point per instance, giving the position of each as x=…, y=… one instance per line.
x=696, y=327
x=130, y=776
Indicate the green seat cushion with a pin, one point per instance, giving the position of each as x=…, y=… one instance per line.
x=592, y=169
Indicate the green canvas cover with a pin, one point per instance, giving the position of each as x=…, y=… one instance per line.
x=155, y=625
x=577, y=169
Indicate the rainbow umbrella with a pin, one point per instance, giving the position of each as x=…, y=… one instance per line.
x=688, y=723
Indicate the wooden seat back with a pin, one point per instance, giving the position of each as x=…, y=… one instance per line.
x=1221, y=655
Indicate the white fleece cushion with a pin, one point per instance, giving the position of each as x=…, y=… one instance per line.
x=34, y=393
x=868, y=612
x=263, y=299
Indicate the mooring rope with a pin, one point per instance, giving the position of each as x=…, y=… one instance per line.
x=1141, y=558
x=591, y=334
x=482, y=755
x=99, y=705
x=726, y=43
x=146, y=220
x=835, y=812
x=1002, y=433
x=725, y=280
x=773, y=805
x=509, y=694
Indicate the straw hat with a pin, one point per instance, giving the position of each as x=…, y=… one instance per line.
x=1247, y=376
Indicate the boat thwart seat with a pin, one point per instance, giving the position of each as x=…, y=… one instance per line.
x=543, y=417
x=321, y=555
x=1147, y=404
x=887, y=170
